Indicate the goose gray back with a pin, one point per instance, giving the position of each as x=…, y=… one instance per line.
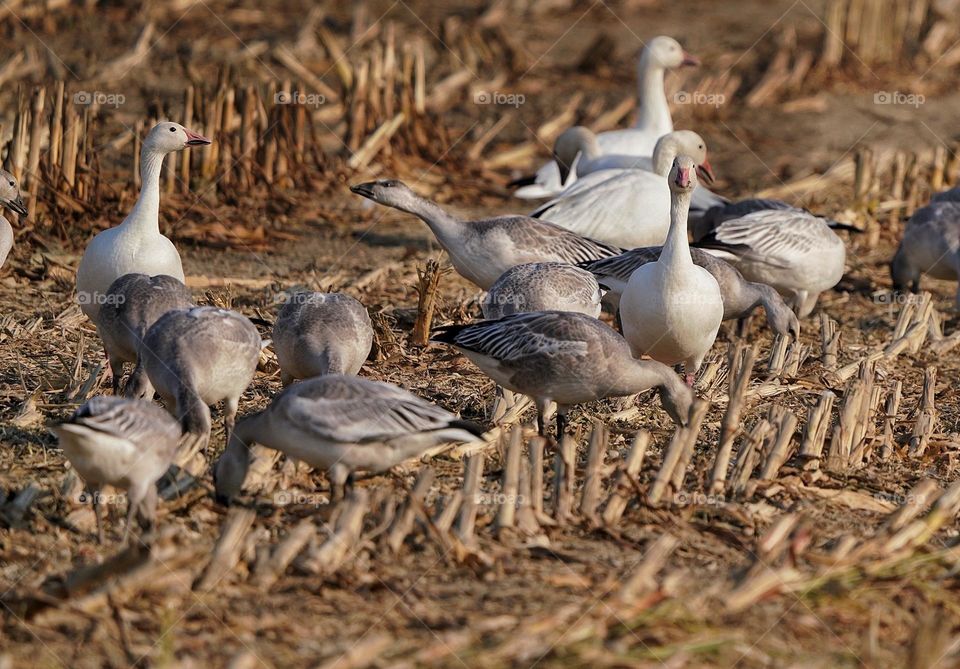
x=125, y=443
x=321, y=333
x=481, y=251
x=930, y=245
x=563, y=357
x=543, y=287
x=133, y=303
x=198, y=357
x=342, y=424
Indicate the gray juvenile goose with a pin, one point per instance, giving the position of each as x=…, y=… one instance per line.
x=740, y=297
x=930, y=245
x=341, y=423
x=198, y=357
x=124, y=443
x=543, y=286
x=321, y=333
x=481, y=251
x=566, y=358
x=133, y=303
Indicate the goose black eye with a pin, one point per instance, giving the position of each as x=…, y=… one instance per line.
x=172, y=129
x=13, y=183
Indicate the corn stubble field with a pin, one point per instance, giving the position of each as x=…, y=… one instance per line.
x=808, y=515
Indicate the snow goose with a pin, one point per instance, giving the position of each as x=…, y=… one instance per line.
x=136, y=245
x=343, y=424
x=10, y=198
x=132, y=304
x=481, y=251
x=563, y=357
x=321, y=333
x=125, y=443
x=740, y=297
x=792, y=250
x=930, y=245
x=671, y=309
x=630, y=207
x=198, y=357
x=653, y=116
x=543, y=286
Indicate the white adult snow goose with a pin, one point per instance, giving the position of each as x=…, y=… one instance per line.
x=136, y=245
x=653, y=116
x=10, y=198
x=671, y=309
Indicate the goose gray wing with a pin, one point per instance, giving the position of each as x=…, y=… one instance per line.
x=351, y=410
x=552, y=242
x=137, y=421
x=620, y=267
x=773, y=237
x=518, y=338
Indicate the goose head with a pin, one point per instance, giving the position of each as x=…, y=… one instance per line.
x=166, y=137
x=573, y=141
x=668, y=54
x=389, y=192
x=10, y=193
x=683, y=175
x=677, y=398
x=682, y=143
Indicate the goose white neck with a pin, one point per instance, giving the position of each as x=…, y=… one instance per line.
x=654, y=112
x=146, y=212
x=676, y=250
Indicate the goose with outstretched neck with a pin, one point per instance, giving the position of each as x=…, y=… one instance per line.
x=631, y=207
x=11, y=199
x=481, y=251
x=136, y=245
x=653, y=117
x=671, y=309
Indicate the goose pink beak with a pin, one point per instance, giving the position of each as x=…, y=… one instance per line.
x=193, y=139
x=705, y=170
x=689, y=59
x=683, y=177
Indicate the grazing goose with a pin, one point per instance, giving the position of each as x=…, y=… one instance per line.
x=930, y=245
x=136, y=245
x=653, y=116
x=671, y=309
x=343, y=424
x=630, y=207
x=133, y=303
x=321, y=333
x=563, y=357
x=10, y=198
x=125, y=443
x=481, y=251
x=740, y=297
x=198, y=357
x=794, y=251
x=543, y=286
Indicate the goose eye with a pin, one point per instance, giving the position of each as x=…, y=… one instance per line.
x=172, y=129
x=13, y=183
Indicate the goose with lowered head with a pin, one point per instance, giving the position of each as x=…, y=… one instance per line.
x=653, y=116
x=672, y=308
x=630, y=207
x=481, y=251
x=136, y=245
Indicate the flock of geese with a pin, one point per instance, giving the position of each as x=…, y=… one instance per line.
x=616, y=231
